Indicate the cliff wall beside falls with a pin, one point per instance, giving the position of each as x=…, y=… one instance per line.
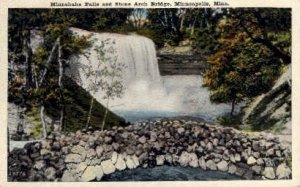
x=180, y=60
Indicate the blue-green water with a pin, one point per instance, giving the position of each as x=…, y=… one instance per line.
x=169, y=173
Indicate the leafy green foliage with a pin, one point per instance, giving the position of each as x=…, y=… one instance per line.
x=205, y=40
x=247, y=61
x=228, y=120
x=166, y=23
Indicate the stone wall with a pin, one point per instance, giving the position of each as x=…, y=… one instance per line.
x=88, y=156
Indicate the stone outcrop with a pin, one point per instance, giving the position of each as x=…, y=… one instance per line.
x=181, y=64
x=88, y=156
x=272, y=110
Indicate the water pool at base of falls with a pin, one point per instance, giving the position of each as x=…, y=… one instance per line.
x=176, y=96
x=169, y=173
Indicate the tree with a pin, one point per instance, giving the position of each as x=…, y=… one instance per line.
x=269, y=27
x=94, y=75
x=112, y=74
x=243, y=67
x=64, y=45
x=166, y=22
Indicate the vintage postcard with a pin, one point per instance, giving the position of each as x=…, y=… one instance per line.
x=150, y=93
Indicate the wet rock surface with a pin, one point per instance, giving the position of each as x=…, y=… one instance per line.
x=90, y=156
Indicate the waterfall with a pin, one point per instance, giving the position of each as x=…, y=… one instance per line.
x=147, y=94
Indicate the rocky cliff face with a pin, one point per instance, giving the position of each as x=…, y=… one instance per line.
x=180, y=64
x=180, y=60
x=272, y=111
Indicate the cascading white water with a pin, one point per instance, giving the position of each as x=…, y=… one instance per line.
x=147, y=94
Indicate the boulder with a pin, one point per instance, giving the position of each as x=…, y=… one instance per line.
x=135, y=160
x=215, y=142
x=120, y=164
x=77, y=149
x=256, y=169
x=283, y=171
x=81, y=167
x=260, y=161
x=251, y=161
x=50, y=174
x=68, y=177
x=269, y=173
x=130, y=150
x=232, y=169
x=91, y=153
x=99, y=151
x=160, y=159
x=211, y=165
x=45, y=152
x=73, y=158
x=222, y=166
x=107, y=139
x=167, y=135
x=209, y=146
x=232, y=158
x=65, y=150
x=39, y=165
x=237, y=157
x=94, y=162
x=184, y=159
x=107, y=167
x=256, y=155
x=255, y=146
x=142, y=139
x=202, y=163
x=278, y=153
x=270, y=152
x=193, y=160
x=168, y=158
x=153, y=136
x=129, y=162
x=240, y=169
x=180, y=130
x=114, y=157
x=91, y=173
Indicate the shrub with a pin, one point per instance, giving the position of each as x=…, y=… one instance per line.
x=229, y=121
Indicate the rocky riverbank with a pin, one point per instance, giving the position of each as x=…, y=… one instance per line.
x=88, y=156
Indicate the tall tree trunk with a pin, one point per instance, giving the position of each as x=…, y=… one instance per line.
x=182, y=21
x=35, y=78
x=49, y=60
x=42, y=115
x=60, y=84
x=194, y=23
x=105, y=114
x=232, y=107
x=90, y=113
x=27, y=52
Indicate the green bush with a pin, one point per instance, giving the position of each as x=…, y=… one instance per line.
x=229, y=121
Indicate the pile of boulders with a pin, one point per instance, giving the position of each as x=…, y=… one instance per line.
x=88, y=156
